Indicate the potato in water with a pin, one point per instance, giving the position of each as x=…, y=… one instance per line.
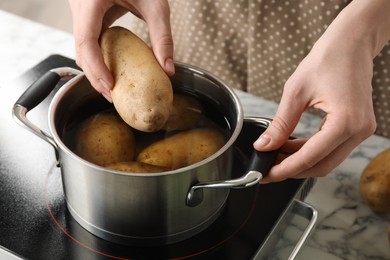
x=142, y=92
x=183, y=149
x=105, y=139
x=186, y=113
x=134, y=167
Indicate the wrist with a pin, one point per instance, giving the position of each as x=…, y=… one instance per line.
x=365, y=23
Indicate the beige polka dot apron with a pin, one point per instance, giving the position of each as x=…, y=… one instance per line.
x=255, y=45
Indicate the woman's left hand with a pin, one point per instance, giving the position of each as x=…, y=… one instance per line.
x=335, y=77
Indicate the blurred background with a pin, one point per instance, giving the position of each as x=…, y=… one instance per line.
x=54, y=13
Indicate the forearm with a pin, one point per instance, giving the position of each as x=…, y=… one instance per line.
x=365, y=23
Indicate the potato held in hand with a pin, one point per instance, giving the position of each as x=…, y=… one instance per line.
x=104, y=139
x=142, y=93
x=183, y=149
x=375, y=183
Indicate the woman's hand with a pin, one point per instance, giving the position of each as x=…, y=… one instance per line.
x=335, y=77
x=337, y=83
x=92, y=17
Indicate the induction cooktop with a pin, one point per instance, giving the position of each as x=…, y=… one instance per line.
x=36, y=224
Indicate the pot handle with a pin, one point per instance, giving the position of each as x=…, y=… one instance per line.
x=259, y=165
x=34, y=95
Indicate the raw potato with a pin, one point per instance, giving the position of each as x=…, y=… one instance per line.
x=183, y=149
x=142, y=93
x=104, y=139
x=388, y=232
x=134, y=167
x=375, y=183
x=186, y=113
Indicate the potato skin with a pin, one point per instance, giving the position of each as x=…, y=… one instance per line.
x=142, y=93
x=186, y=113
x=388, y=232
x=134, y=167
x=104, y=139
x=183, y=149
x=375, y=182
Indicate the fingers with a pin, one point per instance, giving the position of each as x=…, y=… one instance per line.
x=292, y=146
x=321, y=153
x=346, y=125
x=90, y=17
x=91, y=60
x=316, y=149
x=87, y=26
x=283, y=123
x=158, y=19
x=297, y=166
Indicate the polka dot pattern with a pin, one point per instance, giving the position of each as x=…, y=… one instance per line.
x=255, y=45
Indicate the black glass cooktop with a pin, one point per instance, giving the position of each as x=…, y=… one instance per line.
x=35, y=223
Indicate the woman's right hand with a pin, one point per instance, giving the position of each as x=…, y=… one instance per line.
x=92, y=17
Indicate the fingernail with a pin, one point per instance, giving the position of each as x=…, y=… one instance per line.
x=169, y=66
x=106, y=96
x=263, y=140
x=105, y=84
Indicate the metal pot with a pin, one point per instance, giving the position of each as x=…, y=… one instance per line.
x=135, y=208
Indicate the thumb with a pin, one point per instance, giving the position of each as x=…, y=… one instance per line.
x=163, y=49
x=158, y=20
x=281, y=127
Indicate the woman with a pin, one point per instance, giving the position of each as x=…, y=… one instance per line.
x=281, y=50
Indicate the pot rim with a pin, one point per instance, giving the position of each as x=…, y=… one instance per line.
x=179, y=66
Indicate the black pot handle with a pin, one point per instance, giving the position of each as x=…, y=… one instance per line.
x=34, y=95
x=39, y=90
x=262, y=161
x=259, y=165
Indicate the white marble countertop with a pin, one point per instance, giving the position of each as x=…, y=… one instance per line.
x=346, y=227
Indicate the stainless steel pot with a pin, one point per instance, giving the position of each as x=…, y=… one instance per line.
x=142, y=209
